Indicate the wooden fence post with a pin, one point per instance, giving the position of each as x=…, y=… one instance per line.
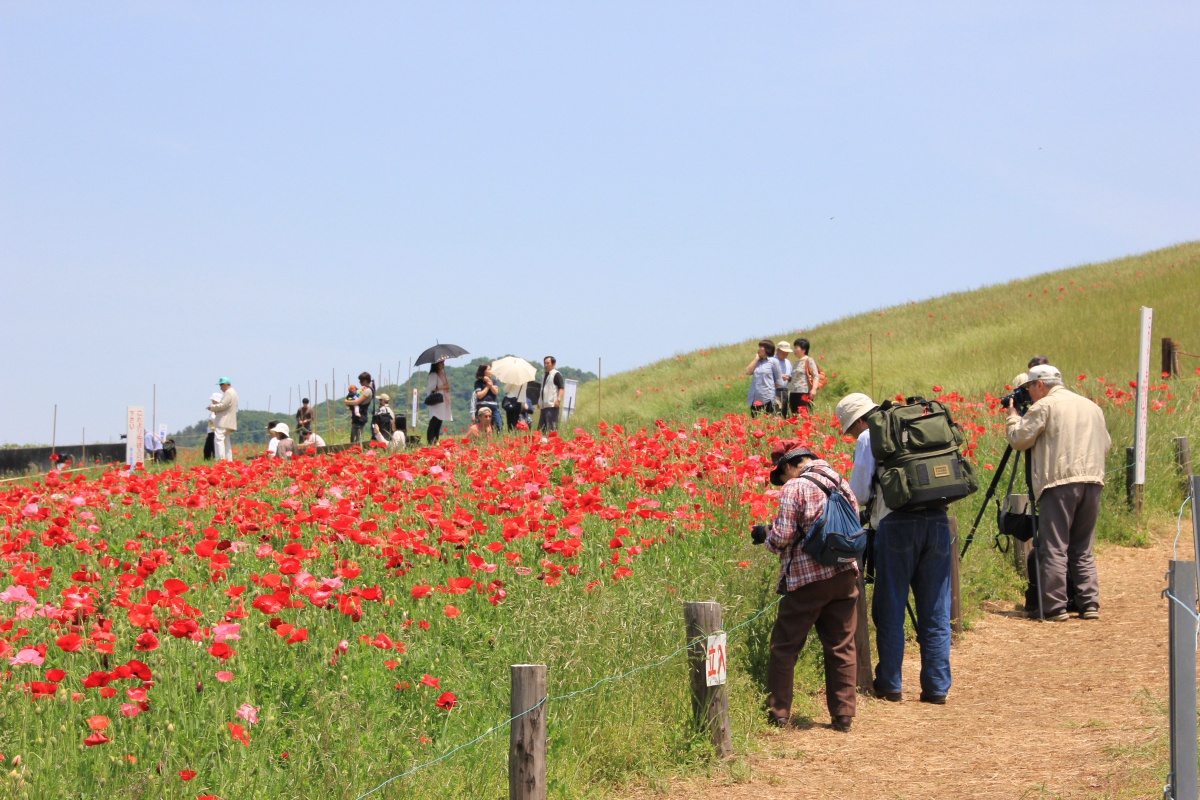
x=527, y=734
x=710, y=704
x=862, y=637
x=1021, y=556
x=1170, y=357
x=1183, y=457
x=1133, y=491
x=955, y=582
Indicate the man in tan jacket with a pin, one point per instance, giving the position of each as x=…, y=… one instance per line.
x=226, y=420
x=1067, y=440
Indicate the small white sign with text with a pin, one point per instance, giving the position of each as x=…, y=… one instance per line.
x=715, y=668
x=135, y=432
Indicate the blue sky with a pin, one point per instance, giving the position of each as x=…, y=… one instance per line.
x=276, y=190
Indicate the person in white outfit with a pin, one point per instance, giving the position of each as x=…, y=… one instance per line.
x=438, y=412
x=225, y=422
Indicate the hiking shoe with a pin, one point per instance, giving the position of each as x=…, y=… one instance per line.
x=936, y=699
x=1090, y=612
x=777, y=721
x=841, y=723
x=891, y=697
x=1060, y=616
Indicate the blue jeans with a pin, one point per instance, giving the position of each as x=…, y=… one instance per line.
x=913, y=548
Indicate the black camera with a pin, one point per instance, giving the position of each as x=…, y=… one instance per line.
x=1020, y=400
x=758, y=534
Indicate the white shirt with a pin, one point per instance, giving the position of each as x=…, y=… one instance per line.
x=272, y=446
x=860, y=479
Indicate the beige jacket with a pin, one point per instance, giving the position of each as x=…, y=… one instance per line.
x=1066, y=437
x=226, y=410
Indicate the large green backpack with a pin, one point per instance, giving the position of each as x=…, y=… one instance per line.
x=916, y=448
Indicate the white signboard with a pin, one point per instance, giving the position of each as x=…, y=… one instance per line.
x=135, y=433
x=162, y=431
x=412, y=425
x=568, y=404
x=1143, y=389
x=715, y=666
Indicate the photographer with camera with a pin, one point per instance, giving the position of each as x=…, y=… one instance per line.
x=814, y=594
x=913, y=548
x=1067, y=440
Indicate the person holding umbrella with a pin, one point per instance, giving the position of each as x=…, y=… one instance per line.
x=438, y=400
x=515, y=373
x=438, y=387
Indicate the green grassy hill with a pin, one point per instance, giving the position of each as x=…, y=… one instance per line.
x=1085, y=319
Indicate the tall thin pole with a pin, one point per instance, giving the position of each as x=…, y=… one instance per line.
x=600, y=390
x=54, y=431
x=872, y=345
x=268, y=404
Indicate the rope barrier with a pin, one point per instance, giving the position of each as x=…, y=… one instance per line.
x=57, y=472
x=575, y=693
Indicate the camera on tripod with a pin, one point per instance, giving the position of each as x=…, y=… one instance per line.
x=1020, y=399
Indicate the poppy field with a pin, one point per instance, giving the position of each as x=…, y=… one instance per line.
x=314, y=628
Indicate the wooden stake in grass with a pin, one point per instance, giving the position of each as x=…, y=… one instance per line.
x=1183, y=457
x=710, y=704
x=955, y=582
x=527, y=733
x=862, y=636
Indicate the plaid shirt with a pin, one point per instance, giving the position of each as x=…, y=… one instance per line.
x=801, y=503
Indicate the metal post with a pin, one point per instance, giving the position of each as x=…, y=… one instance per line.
x=1184, y=783
x=1195, y=512
x=710, y=704
x=54, y=431
x=527, y=734
x=871, y=345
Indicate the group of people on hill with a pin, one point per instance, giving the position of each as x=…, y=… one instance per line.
x=777, y=386
x=366, y=408
x=1066, y=439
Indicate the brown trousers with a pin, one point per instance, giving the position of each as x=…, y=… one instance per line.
x=830, y=605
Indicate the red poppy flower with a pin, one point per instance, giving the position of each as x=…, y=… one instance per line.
x=98, y=722
x=429, y=680
x=95, y=739
x=239, y=733
x=187, y=774
x=146, y=642
x=447, y=701
x=452, y=611
x=71, y=643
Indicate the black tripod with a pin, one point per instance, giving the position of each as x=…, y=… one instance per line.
x=1033, y=517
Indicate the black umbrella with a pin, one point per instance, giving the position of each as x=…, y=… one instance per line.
x=440, y=352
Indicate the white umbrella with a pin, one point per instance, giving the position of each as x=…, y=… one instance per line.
x=511, y=369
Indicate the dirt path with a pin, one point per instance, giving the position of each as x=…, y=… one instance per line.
x=1053, y=710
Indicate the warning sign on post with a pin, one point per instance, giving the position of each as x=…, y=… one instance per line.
x=714, y=671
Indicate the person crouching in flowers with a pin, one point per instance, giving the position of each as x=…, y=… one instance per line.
x=813, y=594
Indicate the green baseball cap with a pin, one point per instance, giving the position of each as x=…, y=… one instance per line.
x=224, y=381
